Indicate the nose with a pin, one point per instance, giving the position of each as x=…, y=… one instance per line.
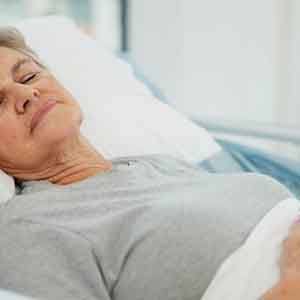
x=24, y=97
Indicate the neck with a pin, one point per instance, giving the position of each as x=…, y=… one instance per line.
x=79, y=170
x=72, y=162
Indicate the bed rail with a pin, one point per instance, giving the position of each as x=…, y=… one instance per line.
x=258, y=130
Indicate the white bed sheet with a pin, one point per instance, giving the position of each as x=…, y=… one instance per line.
x=253, y=268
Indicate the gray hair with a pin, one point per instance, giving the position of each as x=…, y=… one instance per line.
x=12, y=38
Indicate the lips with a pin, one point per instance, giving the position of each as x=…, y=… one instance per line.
x=40, y=113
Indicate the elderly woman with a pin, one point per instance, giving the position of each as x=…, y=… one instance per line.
x=84, y=227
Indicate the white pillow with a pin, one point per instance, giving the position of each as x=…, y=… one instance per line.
x=7, y=187
x=122, y=117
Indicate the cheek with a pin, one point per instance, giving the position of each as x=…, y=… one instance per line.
x=12, y=143
x=9, y=131
x=13, y=133
x=49, y=86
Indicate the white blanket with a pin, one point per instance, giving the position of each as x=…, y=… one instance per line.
x=253, y=268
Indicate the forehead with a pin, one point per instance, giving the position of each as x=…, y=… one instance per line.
x=8, y=58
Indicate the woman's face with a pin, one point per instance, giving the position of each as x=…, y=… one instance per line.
x=36, y=112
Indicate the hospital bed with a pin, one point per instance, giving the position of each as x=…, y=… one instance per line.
x=246, y=146
x=128, y=121
x=240, y=157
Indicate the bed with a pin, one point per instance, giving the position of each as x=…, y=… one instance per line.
x=123, y=117
x=239, y=157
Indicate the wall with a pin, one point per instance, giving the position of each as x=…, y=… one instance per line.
x=155, y=41
x=106, y=14
x=230, y=59
x=291, y=109
x=223, y=59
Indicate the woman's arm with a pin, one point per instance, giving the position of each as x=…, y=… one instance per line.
x=288, y=287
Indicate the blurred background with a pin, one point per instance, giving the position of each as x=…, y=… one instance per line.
x=232, y=62
x=99, y=18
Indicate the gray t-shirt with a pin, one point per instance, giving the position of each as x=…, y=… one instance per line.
x=154, y=227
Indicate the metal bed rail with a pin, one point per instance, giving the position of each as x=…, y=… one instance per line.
x=257, y=130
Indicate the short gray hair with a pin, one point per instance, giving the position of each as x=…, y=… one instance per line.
x=11, y=37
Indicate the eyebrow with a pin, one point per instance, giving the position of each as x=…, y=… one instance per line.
x=19, y=63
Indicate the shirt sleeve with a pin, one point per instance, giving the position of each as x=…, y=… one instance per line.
x=49, y=262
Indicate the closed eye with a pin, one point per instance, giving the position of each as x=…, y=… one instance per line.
x=28, y=78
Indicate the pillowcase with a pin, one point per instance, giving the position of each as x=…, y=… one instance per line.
x=122, y=117
x=7, y=187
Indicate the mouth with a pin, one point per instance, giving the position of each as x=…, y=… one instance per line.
x=41, y=112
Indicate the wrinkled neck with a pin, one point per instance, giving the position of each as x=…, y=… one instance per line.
x=74, y=160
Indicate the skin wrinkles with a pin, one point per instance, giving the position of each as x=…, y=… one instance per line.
x=55, y=150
